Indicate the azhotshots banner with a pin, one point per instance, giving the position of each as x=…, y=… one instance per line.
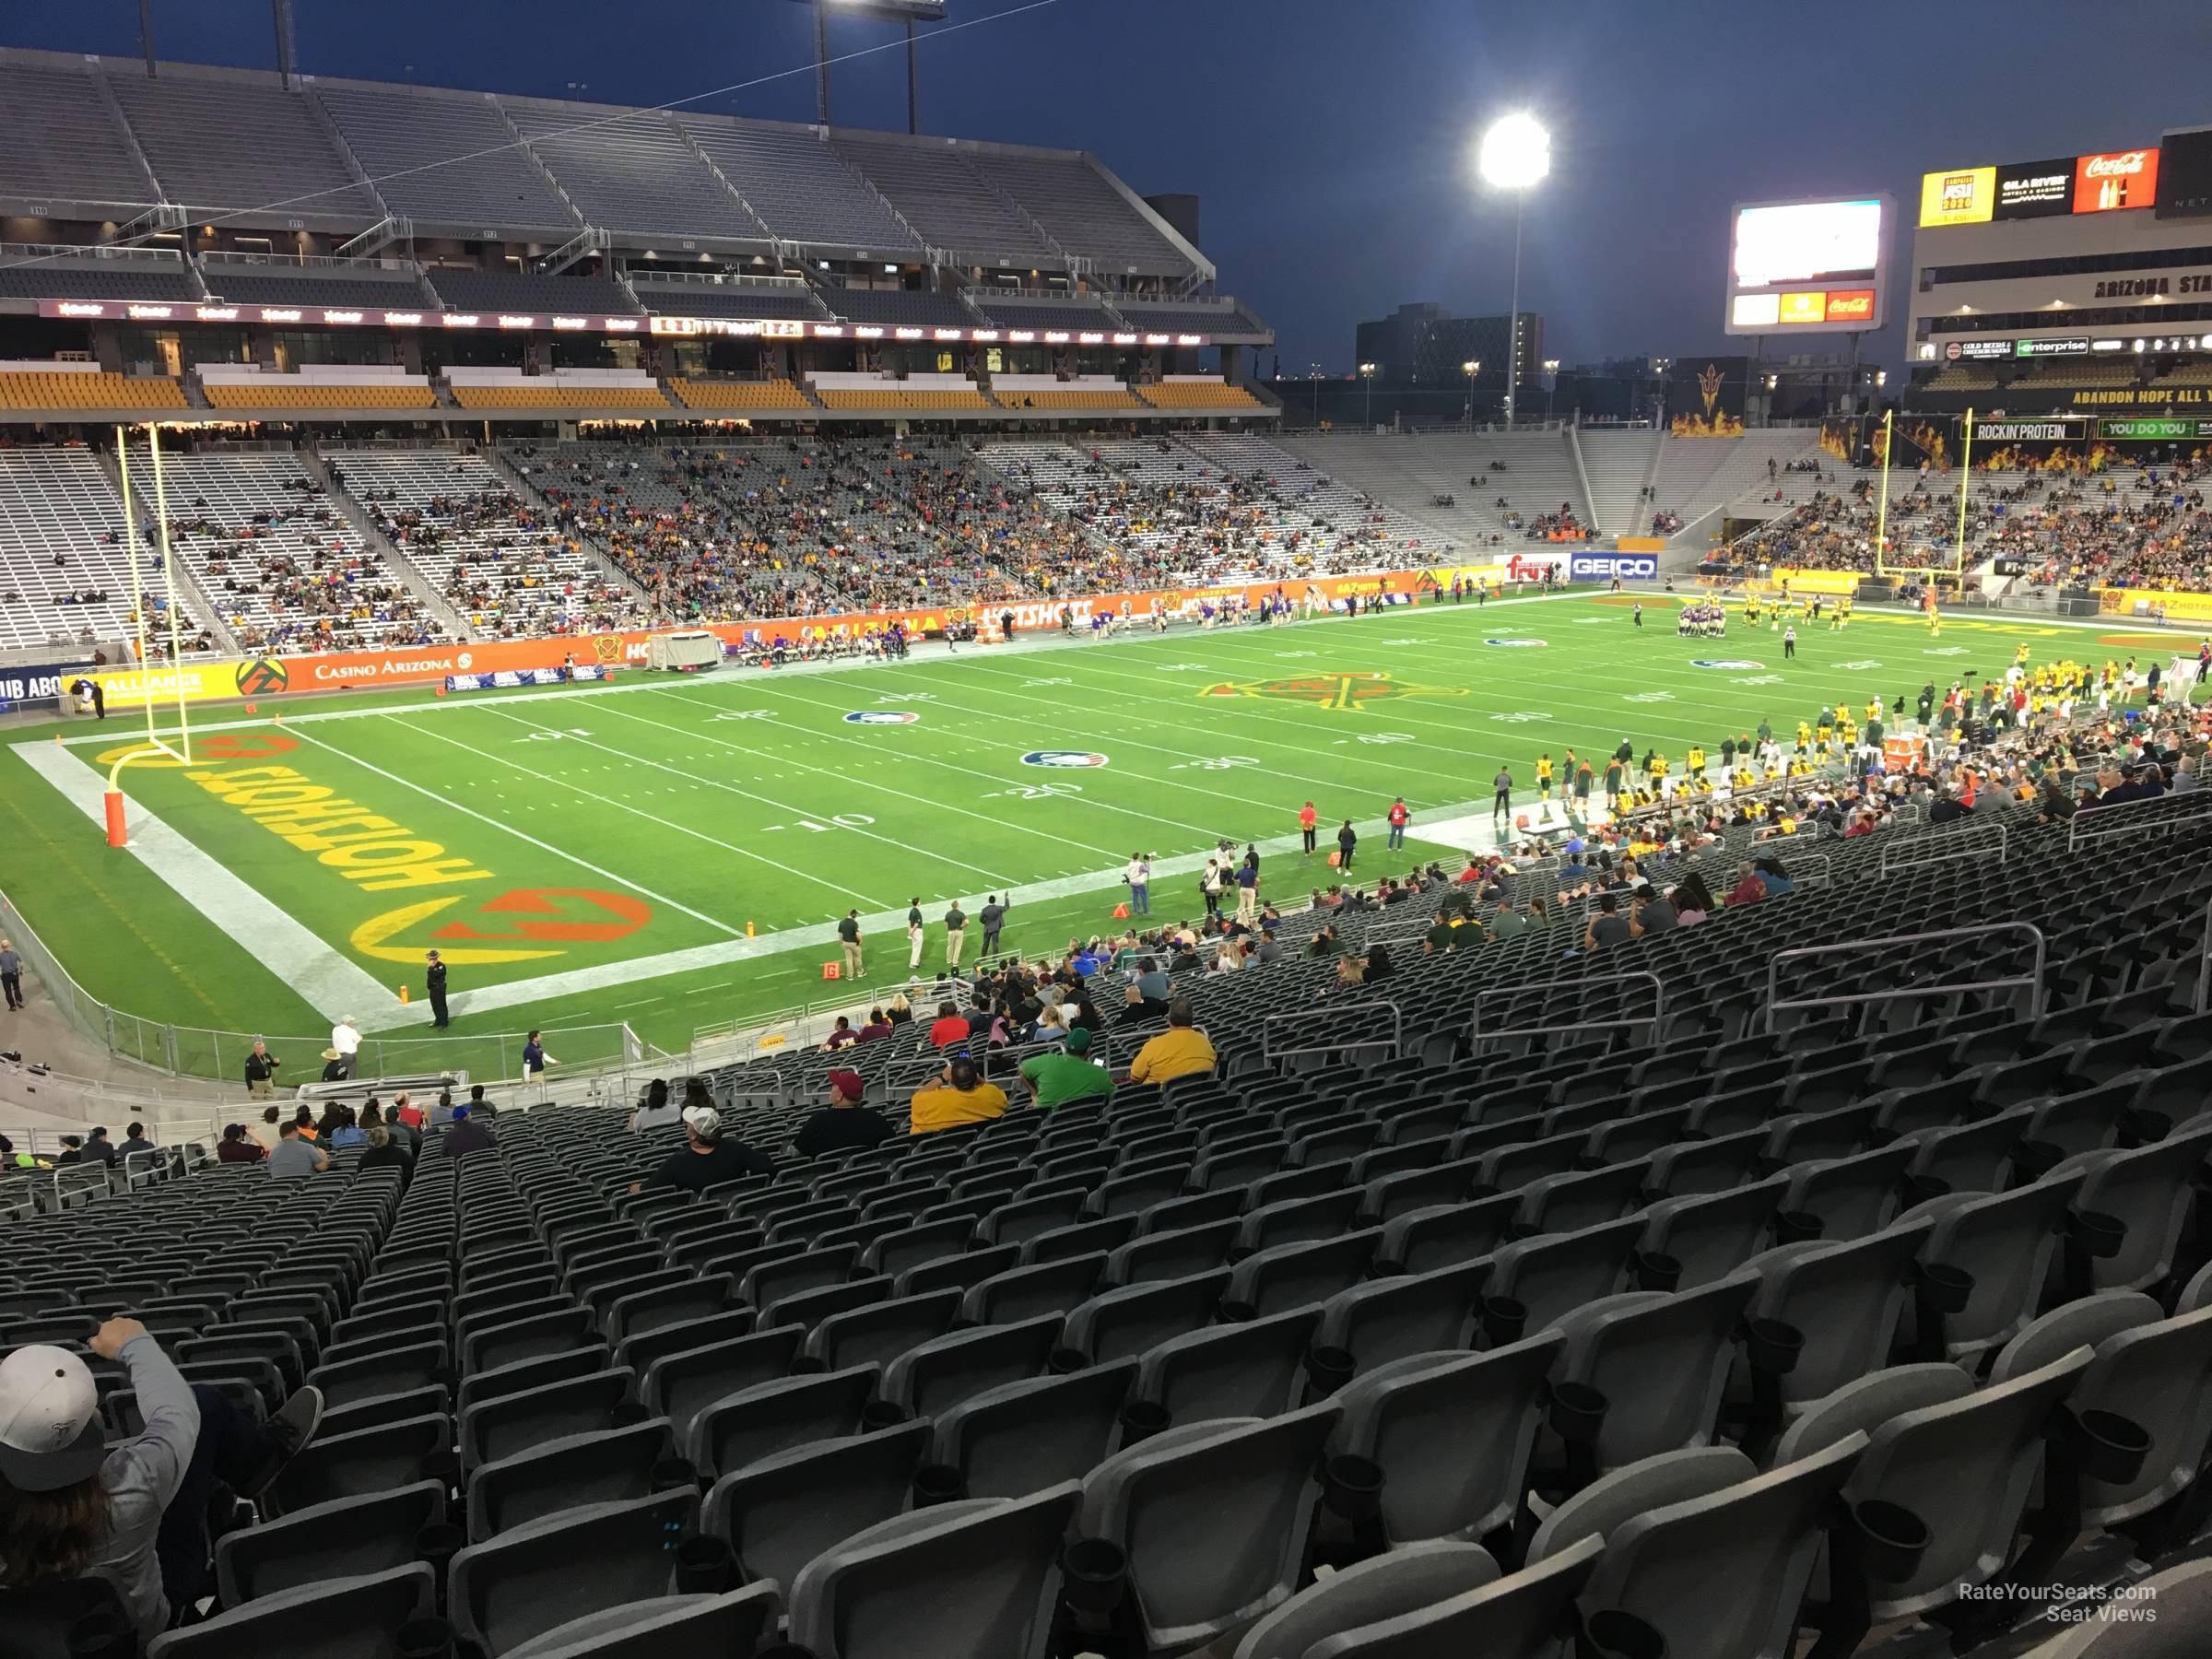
x=278, y=676
x=1705, y=396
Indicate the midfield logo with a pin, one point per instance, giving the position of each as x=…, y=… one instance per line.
x=1353, y=690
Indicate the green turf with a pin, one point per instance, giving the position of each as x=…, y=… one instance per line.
x=670, y=815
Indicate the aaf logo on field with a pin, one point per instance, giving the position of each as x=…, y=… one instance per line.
x=1063, y=758
x=1725, y=663
x=1514, y=644
x=882, y=717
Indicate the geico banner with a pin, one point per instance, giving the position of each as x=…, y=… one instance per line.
x=1604, y=567
x=38, y=682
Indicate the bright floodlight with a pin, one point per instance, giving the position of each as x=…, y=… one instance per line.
x=1516, y=153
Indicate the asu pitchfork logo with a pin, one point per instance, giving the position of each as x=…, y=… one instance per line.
x=1354, y=690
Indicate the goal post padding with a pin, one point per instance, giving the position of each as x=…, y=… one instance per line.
x=687, y=648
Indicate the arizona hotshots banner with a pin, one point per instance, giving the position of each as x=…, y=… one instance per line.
x=285, y=675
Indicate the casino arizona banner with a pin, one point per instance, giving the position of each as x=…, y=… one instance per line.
x=270, y=677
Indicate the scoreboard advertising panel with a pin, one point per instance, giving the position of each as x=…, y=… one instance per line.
x=2106, y=181
x=1801, y=267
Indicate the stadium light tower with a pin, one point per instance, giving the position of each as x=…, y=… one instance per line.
x=1471, y=368
x=907, y=12
x=1515, y=155
x=1367, y=373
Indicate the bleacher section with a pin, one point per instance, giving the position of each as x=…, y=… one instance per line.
x=1619, y=460
x=935, y=191
x=899, y=306
x=61, y=146
x=248, y=386
x=739, y=397
x=631, y=171
x=1090, y=394
x=500, y=560
x=82, y=386
x=64, y=575
x=728, y=300
x=444, y=159
x=1228, y=318
x=921, y=394
x=1077, y=208
x=1072, y=314
x=1413, y=470
x=366, y=287
x=238, y=141
x=799, y=186
x=284, y=569
x=562, y=389
x=39, y=277
x=1199, y=392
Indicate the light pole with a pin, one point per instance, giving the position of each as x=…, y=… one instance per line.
x=1471, y=368
x=1515, y=155
x=1367, y=373
x=1551, y=384
x=1314, y=374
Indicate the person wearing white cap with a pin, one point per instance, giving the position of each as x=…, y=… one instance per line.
x=708, y=1157
x=135, y=1513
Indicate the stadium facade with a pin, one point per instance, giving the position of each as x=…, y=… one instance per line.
x=331, y=246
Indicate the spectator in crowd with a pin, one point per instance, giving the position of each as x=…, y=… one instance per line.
x=405, y=1135
x=1054, y=1079
x=405, y=1111
x=842, y=1035
x=1378, y=967
x=845, y=1125
x=133, y=1513
x=99, y=1148
x=384, y=1152
x=1180, y=1050
x=877, y=1028
x=296, y=1155
x=349, y=1132
x=1651, y=912
x=264, y=1132
x=950, y=1027
x=1748, y=888
x=1692, y=899
x=238, y=1147
x=304, y=1121
x=134, y=1140
x=464, y=1135
x=658, y=1112
x=1607, y=926
x=959, y=1095
x=708, y=1157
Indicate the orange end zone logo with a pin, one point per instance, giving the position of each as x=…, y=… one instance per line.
x=216, y=746
x=1341, y=690
x=506, y=928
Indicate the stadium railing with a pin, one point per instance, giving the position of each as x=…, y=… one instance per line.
x=2031, y=982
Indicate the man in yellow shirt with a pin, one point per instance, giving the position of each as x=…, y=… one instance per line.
x=959, y=1096
x=1697, y=761
x=1178, y=1051
x=1544, y=776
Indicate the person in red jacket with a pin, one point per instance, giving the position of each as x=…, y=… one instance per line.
x=1398, y=816
x=1307, y=819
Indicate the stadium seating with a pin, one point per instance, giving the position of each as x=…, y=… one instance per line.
x=68, y=148
x=910, y=307
x=1191, y=392
x=444, y=159
x=527, y=291
x=1219, y=317
x=941, y=196
x=21, y=389
x=285, y=569
x=727, y=299
x=738, y=396
x=799, y=186
x=498, y=559
x=62, y=563
x=135, y=279
x=1077, y=208
x=920, y=394
x=376, y=287
x=1071, y=315
x=238, y=141
x=631, y=171
x=1098, y=394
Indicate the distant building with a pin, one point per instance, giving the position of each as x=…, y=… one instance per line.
x=1419, y=345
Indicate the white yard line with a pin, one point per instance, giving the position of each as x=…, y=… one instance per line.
x=330, y=983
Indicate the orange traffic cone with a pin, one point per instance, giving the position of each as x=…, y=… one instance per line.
x=404, y=996
x=748, y=927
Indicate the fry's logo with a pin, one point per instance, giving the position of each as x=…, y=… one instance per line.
x=505, y=929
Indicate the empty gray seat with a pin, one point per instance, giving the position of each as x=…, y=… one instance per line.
x=679, y=1386
x=1299, y=1275
x=665, y=1627
x=1524, y=1614
x=2149, y=1191
x=1211, y=1521
x=335, y=1619
x=541, y=1576
x=1397, y=1317
x=531, y=1416
x=610, y=1466
x=781, y=1512
x=1402, y=1581
x=1712, y=1235
x=1451, y=1434
x=954, y=1581
x=1444, y=1235
x=946, y=1370
x=2182, y=1596
x=353, y=1465
x=1533, y=1281
x=1660, y=1362
x=1845, y=1301
x=1253, y=1370
x=879, y=1333
x=778, y=1415
x=1022, y=1437
x=1021, y=1293
x=1962, y=1461
x=1119, y=1324
x=347, y=1538
x=2004, y=1242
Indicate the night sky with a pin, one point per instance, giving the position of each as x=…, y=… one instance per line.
x=1329, y=143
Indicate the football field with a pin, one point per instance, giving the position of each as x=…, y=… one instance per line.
x=674, y=851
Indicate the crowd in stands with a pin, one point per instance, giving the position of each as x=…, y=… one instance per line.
x=506, y=571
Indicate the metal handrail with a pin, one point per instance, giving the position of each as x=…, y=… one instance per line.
x=1978, y=834
x=1476, y=1033
x=2034, y=980
x=1307, y=1018
x=2078, y=832
x=2204, y=967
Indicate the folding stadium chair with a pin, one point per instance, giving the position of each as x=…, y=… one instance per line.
x=539, y=1577
x=532, y=1417
x=379, y=1459
x=946, y=1583
x=1023, y=1437
x=783, y=1512
x=335, y=1619
x=668, y=1627
x=1249, y=1370
x=1207, y=1524
x=1444, y=1235
x=348, y=1537
x=1417, y=1576
x=767, y=1418
x=1057, y=1243
x=942, y=1372
x=2002, y=1244
x=1451, y=1433
x=1122, y=1324
x=1022, y=1294
x=607, y=1466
